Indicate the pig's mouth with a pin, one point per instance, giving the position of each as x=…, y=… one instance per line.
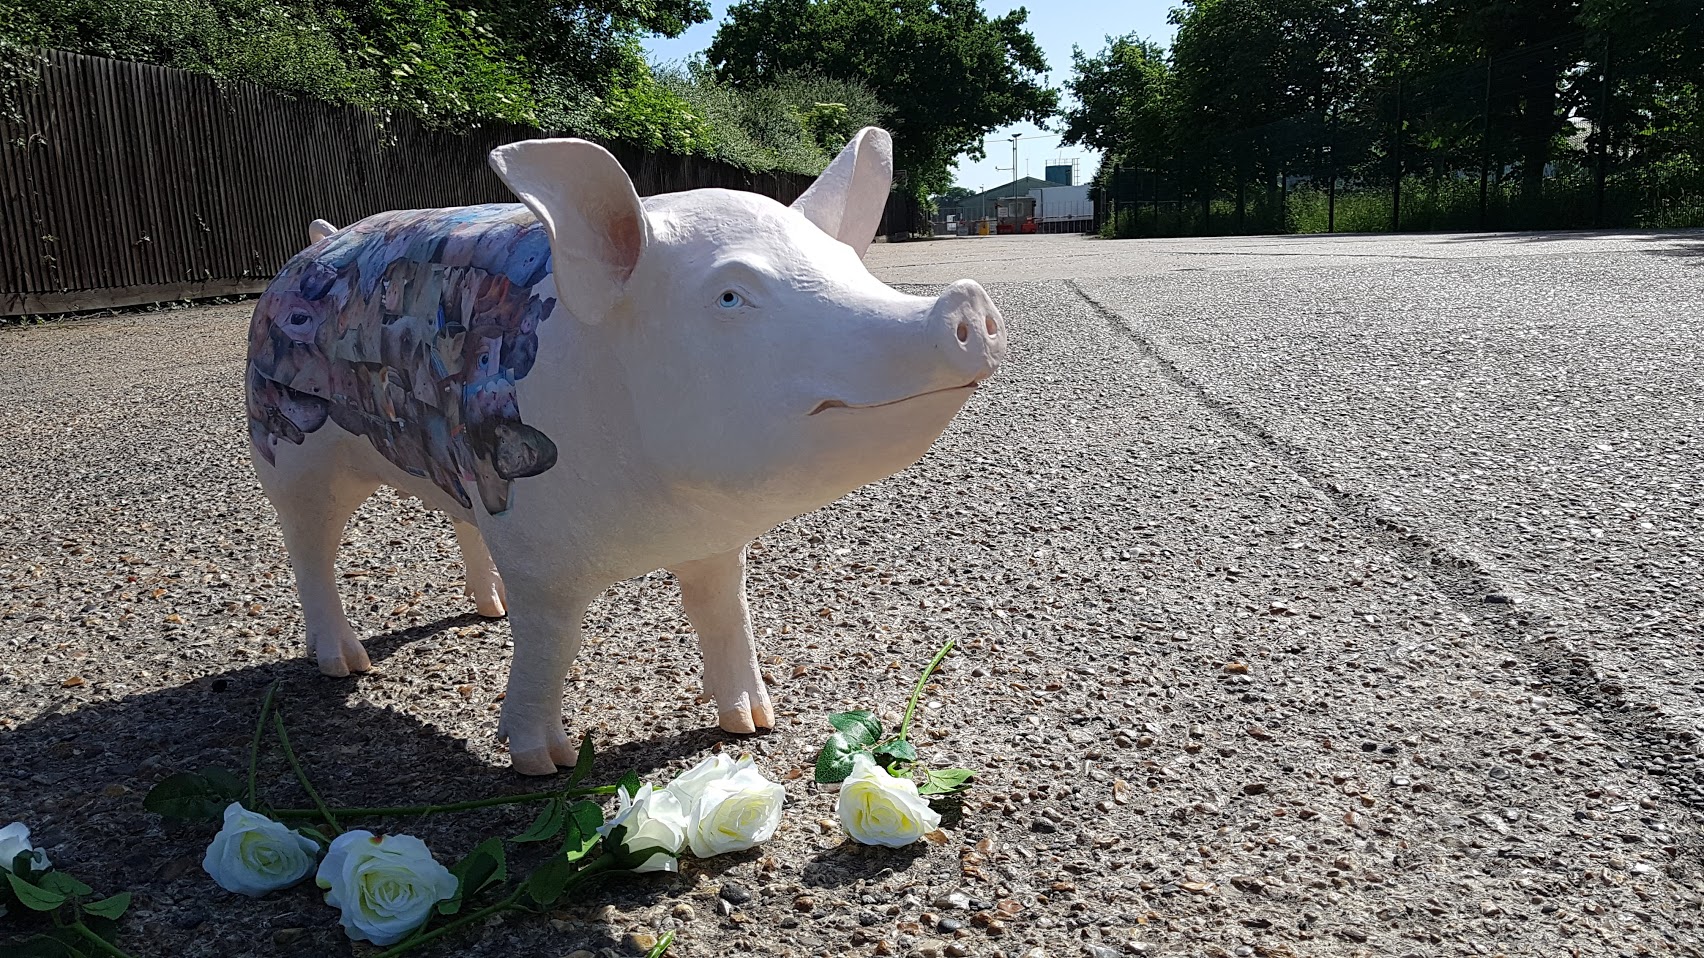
x=842, y=404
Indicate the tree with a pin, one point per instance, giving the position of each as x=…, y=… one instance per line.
x=585, y=40
x=1657, y=59
x=1254, y=80
x=1538, y=41
x=950, y=74
x=1123, y=102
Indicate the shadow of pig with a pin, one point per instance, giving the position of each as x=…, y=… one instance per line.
x=78, y=779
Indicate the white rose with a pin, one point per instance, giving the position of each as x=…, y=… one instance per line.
x=14, y=841
x=386, y=887
x=881, y=809
x=253, y=854
x=653, y=818
x=729, y=805
x=690, y=784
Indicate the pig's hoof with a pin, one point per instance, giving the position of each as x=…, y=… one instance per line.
x=339, y=655
x=542, y=759
x=489, y=597
x=491, y=606
x=746, y=713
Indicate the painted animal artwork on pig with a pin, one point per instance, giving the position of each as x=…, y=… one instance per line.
x=593, y=386
x=411, y=329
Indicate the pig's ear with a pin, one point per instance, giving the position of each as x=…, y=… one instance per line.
x=847, y=200
x=587, y=204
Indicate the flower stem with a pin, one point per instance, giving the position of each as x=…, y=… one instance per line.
x=100, y=943
x=513, y=901
x=922, y=680
x=301, y=776
x=382, y=812
x=254, y=747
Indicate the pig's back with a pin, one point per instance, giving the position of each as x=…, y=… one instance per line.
x=410, y=328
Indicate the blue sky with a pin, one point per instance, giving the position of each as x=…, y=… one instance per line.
x=1057, y=24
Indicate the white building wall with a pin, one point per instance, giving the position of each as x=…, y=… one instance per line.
x=1058, y=203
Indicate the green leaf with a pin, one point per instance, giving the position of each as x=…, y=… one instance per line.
x=33, y=898
x=314, y=834
x=630, y=784
x=224, y=783
x=581, y=830
x=583, y=761
x=190, y=797
x=945, y=781
x=834, y=762
x=480, y=868
x=546, y=825
x=546, y=883
x=860, y=728
x=110, y=907
x=898, y=750
x=64, y=884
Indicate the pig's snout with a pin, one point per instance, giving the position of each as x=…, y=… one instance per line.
x=969, y=330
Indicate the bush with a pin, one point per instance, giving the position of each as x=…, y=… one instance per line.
x=421, y=56
x=442, y=64
x=796, y=124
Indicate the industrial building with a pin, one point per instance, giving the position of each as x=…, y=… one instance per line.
x=1028, y=205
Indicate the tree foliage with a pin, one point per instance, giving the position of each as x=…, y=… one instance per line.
x=1123, y=95
x=449, y=64
x=567, y=67
x=1253, y=89
x=949, y=73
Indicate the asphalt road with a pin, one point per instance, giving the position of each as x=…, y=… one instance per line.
x=1524, y=409
x=1317, y=597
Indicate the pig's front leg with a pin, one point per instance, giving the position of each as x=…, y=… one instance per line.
x=713, y=592
x=545, y=622
x=483, y=585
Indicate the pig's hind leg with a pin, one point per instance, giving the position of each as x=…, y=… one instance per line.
x=713, y=593
x=483, y=585
x=313, y=505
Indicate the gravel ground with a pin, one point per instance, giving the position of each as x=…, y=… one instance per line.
x=1216, y=545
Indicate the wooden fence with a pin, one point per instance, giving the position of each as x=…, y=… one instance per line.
x=128, y=183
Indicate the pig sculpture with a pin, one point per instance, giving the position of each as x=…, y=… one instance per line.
x=594, y=386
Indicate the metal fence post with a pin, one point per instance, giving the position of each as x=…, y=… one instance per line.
x=1603, y=134
x=1485, y=146
x=1396, y=153
x=1331, y=174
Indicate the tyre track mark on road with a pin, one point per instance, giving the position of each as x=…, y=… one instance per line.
x=1648, y=740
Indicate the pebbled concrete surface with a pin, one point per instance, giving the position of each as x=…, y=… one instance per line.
x=1217, y=544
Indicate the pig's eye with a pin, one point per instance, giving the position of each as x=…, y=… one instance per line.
x=730, y=300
